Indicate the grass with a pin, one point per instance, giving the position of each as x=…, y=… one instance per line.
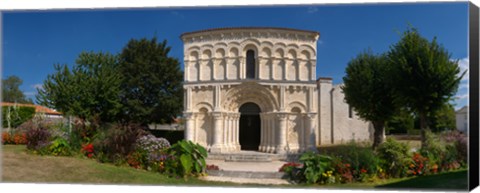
x=20, y=166
x=457, y=180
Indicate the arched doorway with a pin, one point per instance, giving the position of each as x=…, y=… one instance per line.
x=249, y=137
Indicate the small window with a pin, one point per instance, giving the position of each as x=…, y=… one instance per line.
x=250, y=64
x=350, y=113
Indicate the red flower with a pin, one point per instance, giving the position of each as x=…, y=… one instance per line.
x=363, y=171
x=88, y=150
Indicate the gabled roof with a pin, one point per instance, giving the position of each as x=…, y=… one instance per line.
x=38, y=108
x=464, y=109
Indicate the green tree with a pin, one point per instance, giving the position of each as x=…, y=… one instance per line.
x=365, y=90
x=89, y=91
x=423, y=75
x=401, y=122
x=11, y=90
x=442, y=119
x=152, y=86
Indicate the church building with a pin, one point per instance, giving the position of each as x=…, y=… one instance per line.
x=255, y=88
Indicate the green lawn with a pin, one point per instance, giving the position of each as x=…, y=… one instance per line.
x=457, y=180
x=20, y=166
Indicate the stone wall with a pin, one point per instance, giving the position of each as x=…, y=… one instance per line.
x=338, y=123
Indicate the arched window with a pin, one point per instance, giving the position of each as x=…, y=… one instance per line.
x=250, y=64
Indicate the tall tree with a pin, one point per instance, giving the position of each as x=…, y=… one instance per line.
x=424, y=76
x=365, y=90
x=11, y=90
x=90, y=90
x=152, y=86
x=443, y=118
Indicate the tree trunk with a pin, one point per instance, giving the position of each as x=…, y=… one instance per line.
x=423, y=128
x=378, y=133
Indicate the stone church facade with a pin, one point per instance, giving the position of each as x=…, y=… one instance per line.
x=256, y=89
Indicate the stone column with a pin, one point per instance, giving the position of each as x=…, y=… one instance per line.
x=312, y=142
x=217, y=133
x=189, y=127
x=272, y=134
x=282, y=133
x=225, y=132
x=282, y=98
x=242, y=68
x=262, y=132
x=231, y=136
x=236, y=131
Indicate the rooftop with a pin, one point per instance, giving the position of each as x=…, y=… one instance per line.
x=248, y=28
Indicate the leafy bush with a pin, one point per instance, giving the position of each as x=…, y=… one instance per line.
x=59, y=147
x=38, y=139
x=16, y=115
x=343, y=170
x=5, y=137
x=148, y=154
x=361, y=159
x=16, y=138
x=293, y=170
x=314, y=165
x=150, y=144
x=116, y=141
x=460, y=143
x=395, y=157
x=88, y=150
x=191, y=156
x=419, y=166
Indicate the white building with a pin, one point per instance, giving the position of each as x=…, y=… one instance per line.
x=461, y=119
x=256, y=89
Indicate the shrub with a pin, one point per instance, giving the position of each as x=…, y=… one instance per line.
x=361, y=159
x=158, y=161
x=343, y=170
x=148, y=150
x=443, y=150
x=6, y=137
x=460, y=144
x=134, y=159
x=191, y=157
x=38, y=138
x=116, y=141
x=314, y=165
x=59, y=147
x=20, y=138
x=293, y=170
x=88, y=150
x=395, y=157
x=150, y=144
x=419, y=165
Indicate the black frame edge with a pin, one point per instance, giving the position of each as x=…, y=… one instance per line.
x=473, y=96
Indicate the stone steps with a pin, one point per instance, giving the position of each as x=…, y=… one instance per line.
x=253, y=157
x=247, y=174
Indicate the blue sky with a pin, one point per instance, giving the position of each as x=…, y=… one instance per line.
x=33, y=41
